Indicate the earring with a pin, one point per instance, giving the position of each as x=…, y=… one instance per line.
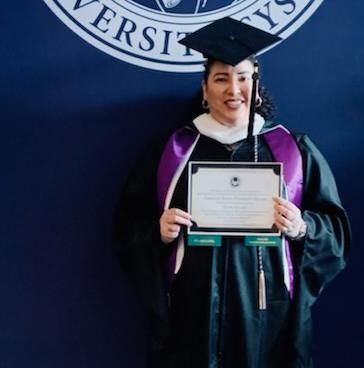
x=258, y=102
x=205, y=104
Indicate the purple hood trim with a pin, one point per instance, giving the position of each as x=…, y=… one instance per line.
x=285, y=149
x=174, y=153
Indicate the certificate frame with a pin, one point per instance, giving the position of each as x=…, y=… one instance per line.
x=236, y=219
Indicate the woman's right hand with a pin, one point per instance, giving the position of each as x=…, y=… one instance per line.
x=170, y=223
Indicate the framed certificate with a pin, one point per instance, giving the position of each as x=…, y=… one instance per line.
x=233, y=198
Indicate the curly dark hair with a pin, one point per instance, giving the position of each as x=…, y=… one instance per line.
x=267, y=108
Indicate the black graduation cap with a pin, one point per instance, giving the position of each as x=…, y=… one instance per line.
x=231, y=41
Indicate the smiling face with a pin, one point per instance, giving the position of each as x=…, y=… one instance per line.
x=228, y=92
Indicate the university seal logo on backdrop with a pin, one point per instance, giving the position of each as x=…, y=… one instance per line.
x=146, y=32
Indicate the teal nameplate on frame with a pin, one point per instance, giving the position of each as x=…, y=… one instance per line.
x=263, y=241
x=204, y=240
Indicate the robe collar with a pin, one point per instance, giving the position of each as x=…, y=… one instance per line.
x=211, y=128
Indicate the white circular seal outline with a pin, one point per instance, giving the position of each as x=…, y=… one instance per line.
x=148, y=37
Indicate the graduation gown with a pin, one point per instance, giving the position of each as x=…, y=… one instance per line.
x=208, y=317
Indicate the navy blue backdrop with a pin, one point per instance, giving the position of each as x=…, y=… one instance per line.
x=72, y=122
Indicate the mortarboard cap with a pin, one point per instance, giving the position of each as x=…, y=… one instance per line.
x=229, y=40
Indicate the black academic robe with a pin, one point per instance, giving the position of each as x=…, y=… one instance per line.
x=209, y=316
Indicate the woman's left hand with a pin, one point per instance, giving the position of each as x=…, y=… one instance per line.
x=287, y=217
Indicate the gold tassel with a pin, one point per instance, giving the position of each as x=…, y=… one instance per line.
x=262, y=294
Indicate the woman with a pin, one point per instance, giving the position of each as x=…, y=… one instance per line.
x=205, y=311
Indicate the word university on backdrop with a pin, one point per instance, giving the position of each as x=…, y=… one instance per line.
x=146, y=32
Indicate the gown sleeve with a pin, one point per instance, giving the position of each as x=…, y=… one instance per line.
x=325, y=248
x=139, y=248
